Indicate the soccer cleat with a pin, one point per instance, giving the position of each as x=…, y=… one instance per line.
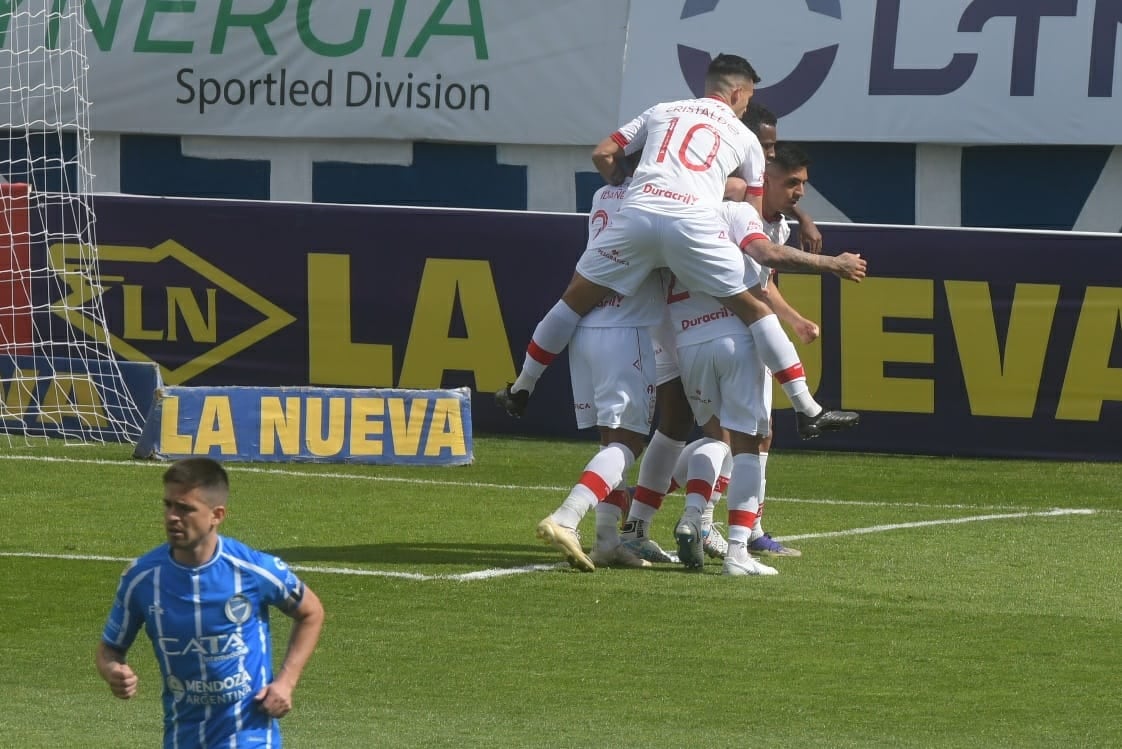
x=514, y=403
x=826, y=421
x=620, y=556
x=688, y=536
x=645, y=548
x=747, y=566
x=766, y=546
x=634, y=537
x=714, y=544
x=567, y=541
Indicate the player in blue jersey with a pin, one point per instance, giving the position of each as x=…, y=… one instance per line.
x=204, y=600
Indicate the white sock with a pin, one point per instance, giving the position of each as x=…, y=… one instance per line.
x=607, y=526
x=704, y=468
x=758, y=528
x=778, y=354
x=744, y=496
x=604, y=472
x=655, y=471
x=718, y=490
x=550, y=338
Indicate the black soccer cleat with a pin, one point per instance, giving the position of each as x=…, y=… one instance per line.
x=827, y=421
x=514, y=403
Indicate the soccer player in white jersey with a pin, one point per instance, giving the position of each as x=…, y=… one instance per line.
x=611, y=365
x=669, y=217
x=727, y=382
x=203, y=600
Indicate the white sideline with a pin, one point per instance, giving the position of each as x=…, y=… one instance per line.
x=489, y=574
x=238, y=468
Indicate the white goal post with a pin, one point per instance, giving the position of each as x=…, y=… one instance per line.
x=58, y=374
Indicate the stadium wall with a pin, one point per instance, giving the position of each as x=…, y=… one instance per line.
x=972, y=342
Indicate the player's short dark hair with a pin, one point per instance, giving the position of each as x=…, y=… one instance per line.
x=789, y=157
x=724, y=68
x=757, y=115
x=191, y=473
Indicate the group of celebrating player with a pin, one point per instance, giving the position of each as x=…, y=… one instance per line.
x=671, y=304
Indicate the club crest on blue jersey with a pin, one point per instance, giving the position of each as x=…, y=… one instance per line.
x=238, y=609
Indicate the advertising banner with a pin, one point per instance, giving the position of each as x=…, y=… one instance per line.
x=492, y=71
x=954, y=71
x=310, y=425
x=966, y=342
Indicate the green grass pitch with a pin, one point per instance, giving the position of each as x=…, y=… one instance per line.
x=939, y=603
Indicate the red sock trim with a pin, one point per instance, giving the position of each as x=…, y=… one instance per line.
x=540, y=355
x=722, y=484
x=699, y=486
x=596, y=484
x=793, y=372
x=648, y=497
x=742, y=517
x=620, y=499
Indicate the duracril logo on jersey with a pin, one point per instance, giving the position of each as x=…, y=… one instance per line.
x=782, y=97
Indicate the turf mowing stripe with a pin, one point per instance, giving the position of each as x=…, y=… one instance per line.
x=494, y=572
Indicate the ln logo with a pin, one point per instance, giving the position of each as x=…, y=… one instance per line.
x=146, y=316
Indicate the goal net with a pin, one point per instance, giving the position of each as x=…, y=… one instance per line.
x=58, y=374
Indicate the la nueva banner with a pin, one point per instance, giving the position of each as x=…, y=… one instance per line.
x=495, y=71
x=957, y=71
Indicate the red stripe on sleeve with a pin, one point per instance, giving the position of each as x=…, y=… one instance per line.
x=755, y=190
x=620, y=141
x=752, y=238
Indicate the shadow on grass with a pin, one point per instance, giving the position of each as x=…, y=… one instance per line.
x=483, y=555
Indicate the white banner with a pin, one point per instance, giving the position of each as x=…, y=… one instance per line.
x=494, y=71
x=955, y=71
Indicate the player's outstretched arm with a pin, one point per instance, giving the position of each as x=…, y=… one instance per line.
x=275, y=698
x=117, y=673
x=847, y=265
x=806, y=330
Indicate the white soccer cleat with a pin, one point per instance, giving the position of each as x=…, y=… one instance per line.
x=715, y=545
x=747, y=566
x=634, y=537
x=620, y=556
x=567, y=541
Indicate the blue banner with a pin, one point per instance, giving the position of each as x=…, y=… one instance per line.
x=310, y=425
x=960, y=342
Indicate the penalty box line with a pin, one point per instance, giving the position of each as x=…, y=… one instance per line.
x=494, y=572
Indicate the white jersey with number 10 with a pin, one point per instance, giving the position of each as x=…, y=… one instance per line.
x=689, y=149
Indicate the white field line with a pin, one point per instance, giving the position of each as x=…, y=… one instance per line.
x=237, y=469
x=507, y=571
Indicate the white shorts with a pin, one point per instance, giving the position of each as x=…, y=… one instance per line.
x=612, y=371
x=725, y=378
x=694, y=245
x=666, y=352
